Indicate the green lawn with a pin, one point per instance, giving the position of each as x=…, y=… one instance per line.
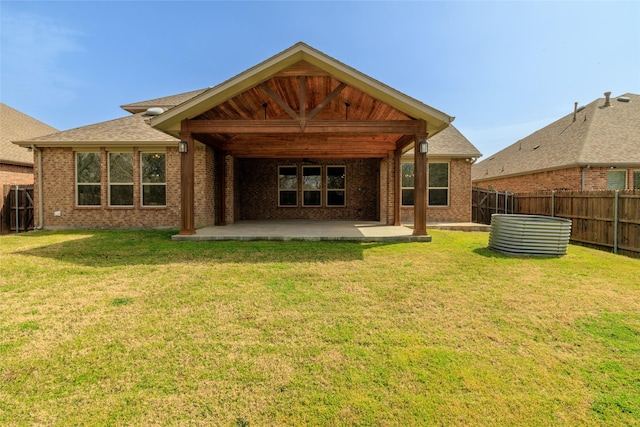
x=130, y=328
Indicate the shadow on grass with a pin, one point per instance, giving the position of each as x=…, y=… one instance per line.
x=104, y=248
x=490, y=253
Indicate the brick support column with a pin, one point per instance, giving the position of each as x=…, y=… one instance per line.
x=187, y=163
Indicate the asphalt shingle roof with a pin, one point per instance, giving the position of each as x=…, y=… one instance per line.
x=599, y=136
x=131, y=129
x=15, y=126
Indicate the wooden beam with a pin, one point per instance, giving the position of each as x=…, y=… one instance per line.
x=314, y=126
x=279, y=100
x=419, y=189
x=187, y=177
x=326, y=101
x=404, y=141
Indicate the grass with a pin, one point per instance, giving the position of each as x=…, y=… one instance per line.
x=129, y=328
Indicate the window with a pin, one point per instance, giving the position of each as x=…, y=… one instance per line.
x=438, y=180
x=407, y=184
x=154, y=179
x=88, y=179
x=616, y=180
x=336, y=185
x=636, y=180
x=120, y=179
x=287, y=186
x=311, y=186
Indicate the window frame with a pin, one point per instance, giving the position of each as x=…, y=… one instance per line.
x=314, y=190
x=447, y=188
x=343, y=189
x=635, y=182
x=78, y=184
x=291, y=190
x=624, y=179
x=404, y=188
x=110, y=183
x=144, y=184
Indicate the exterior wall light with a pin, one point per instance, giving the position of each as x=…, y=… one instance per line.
x=182, y=147
x=423, y=146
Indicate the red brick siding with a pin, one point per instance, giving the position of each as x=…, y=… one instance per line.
x=59, y=195
x=257, y=190
x=204, y=205
x=15, y=175
x=595, y=179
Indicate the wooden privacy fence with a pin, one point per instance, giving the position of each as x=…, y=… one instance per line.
x=609, y=219
x=484, y=203
x=16, y=209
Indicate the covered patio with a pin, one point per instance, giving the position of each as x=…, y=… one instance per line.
x=315, y=230
x=301, y=137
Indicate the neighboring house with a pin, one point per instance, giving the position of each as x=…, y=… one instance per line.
x=597, y=147
x=298, y=136
x=16, y=163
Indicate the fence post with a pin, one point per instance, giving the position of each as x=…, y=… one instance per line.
x=553, y=203
x=17, y=209
x=615, y=222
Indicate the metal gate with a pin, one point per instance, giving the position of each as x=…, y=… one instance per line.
x=16, y=214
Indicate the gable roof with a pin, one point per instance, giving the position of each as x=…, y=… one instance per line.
x=125, y=131
x=599, y=136
x=170, y=120
x=15, y=125
x=449, y=143
x=166, y=102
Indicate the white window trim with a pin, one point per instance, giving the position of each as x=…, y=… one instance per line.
x=327, y=189
x=109, y=183
x=288, y=189
x=143, y=184
x=448, y=187
x=78, y=184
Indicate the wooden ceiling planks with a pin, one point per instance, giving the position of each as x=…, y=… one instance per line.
x=303, y=111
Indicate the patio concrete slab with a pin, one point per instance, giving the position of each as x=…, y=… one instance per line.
x=314, y=230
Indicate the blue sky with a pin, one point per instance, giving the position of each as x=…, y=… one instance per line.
x=503, y=68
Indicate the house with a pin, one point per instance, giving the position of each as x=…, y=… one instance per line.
x=16, y=163
x=298, y=136
x=596, y=147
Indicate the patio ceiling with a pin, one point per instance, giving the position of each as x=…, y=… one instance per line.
x=302, y=103
x=303, y=112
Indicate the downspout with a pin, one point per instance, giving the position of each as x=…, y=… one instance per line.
x=40, y=195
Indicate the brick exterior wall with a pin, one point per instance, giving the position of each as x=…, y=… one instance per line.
x=459, y=209
x=15, y=175
x=256, y=187
x=595, y=179
x=204, y=186
x=59, y=189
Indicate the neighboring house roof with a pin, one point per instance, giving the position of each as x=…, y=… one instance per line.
x=130, y=130
x=166, y=102
x=599, y=136
x=14, y=126
x=170, y=120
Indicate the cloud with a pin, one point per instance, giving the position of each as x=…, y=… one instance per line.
x=34, y=50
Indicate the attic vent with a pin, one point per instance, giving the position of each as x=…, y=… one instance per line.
x=536, y=147
x=154, y=111
x=623, y=99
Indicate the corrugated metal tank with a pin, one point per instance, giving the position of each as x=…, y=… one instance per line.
x=529, y=234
